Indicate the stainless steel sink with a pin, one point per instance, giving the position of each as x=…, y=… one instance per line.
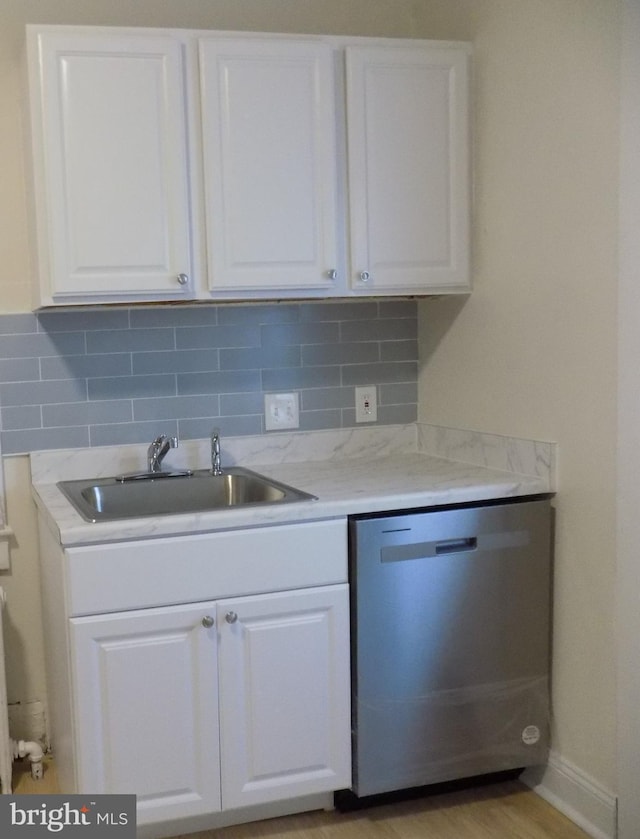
x=162, y=494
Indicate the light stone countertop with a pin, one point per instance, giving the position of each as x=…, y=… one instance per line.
x=344, y=486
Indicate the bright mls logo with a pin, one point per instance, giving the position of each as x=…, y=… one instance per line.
x=43, y=815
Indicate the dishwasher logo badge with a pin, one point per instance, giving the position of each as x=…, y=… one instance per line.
x=531, y=735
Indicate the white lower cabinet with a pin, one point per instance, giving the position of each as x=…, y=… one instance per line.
x=145, y=687
x=151, y=685
x=285, y=718
x=205, y=674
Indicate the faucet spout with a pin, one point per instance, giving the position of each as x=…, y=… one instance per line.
x=216, y=466
x=158, y=450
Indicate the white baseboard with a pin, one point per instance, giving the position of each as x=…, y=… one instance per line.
x=575, y=794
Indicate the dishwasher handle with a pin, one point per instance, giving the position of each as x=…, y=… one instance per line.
x=422, y=550
x=454, y=546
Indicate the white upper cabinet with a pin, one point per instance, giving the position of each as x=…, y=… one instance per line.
x=408, y=164
x=176, y=164
x=268, y=134
x=110, y=164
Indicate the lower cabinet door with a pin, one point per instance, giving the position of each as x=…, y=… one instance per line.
x=284, y=695
x=146, y=712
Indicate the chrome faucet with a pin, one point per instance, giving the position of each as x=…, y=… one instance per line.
x=158, y=450
x=216, y=467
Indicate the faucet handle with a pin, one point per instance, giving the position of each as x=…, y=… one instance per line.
x=157, y=451
x=160, y=439
x=173, y=441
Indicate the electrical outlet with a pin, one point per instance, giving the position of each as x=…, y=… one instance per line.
x=281, y=410
x=366, y=404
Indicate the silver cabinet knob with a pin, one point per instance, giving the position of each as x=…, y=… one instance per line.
x=231, y=617
x=332, y=274
x=364, y=276
x=183, y=279
x=207, y=621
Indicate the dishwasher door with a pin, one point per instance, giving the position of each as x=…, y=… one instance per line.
x=451, y=636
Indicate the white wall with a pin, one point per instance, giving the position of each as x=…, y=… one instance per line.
x=533, y=351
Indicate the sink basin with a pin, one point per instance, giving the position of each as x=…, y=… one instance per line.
x=108, y=499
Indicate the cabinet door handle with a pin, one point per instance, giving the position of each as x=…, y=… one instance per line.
x=207, y=621
x=364, y=276
x=231, y=617
x=332, y=274
x=182, y=279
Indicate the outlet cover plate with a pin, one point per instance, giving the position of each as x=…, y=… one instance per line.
x=366, y=404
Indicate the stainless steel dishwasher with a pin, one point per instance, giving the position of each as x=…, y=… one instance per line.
x=450, y=645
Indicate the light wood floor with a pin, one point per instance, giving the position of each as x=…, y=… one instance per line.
x=498, y=811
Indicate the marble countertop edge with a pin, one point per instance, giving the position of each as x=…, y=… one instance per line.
x=391, y=482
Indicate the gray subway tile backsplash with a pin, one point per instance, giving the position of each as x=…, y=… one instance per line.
x=82, y=320
x=237, y=381
x=23, y=416
x=237, y=426
x=131, y=387
x=398, y=350
x=85, y=366
x=130, y=432
x=326, y=398
x=36, y=439
x=131, y=340
x=227, y=335
x=259, y=313
x=175, y=361
x=176, y=407
x=300, y=378
x=241, y=404
x=38, y=344
x=395, y=329
x=173, y=316
x=17, y=324
x=43, y=392
x=248, y=358
x=342, y=353
x=87, y=413
x=368, y=374
x=19, y=370
x=101, y=377
x=402, y=393
x=299, y=333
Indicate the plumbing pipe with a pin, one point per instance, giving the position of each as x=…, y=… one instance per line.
x=32, y=750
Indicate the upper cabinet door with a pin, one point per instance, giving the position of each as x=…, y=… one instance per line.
x=111, y=168
x=268, y=112
x=408, y=163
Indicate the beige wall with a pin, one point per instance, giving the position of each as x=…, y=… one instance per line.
x=628, y=576
x=533, y=351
